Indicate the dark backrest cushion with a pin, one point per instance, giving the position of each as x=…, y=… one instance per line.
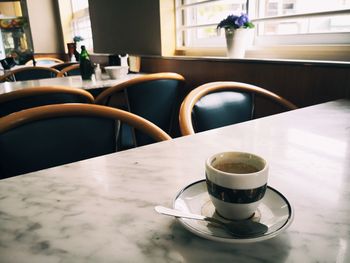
x=34, y=74
x=39, y=100
x=74, y=72
x=61, y=66
x=154, y=101
x=46, y=143
x=220, y=109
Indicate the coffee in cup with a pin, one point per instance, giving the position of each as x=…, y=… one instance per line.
x=236, y=183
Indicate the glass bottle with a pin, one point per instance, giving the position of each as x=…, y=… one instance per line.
x=86, y=67
x=98, y=73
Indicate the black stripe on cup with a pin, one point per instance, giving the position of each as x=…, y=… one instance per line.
x=239, y=196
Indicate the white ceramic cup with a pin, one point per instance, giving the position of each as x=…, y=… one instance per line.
x=236, y=183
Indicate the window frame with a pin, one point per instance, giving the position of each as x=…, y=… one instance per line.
x=284, y=43
x=330, y=38
x=77, y=17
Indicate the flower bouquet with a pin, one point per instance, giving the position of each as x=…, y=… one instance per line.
x=234, y=22
x=238, y=34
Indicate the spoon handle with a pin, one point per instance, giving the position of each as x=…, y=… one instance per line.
x=173, y=212
x=247, y=228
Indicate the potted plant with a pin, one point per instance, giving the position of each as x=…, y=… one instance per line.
x=77, y=39
x=73, y=54
x=238, y=32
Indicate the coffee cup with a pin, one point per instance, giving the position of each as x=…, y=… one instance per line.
x=236, y=183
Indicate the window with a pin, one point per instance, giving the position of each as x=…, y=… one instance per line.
x=197, y=21
x=81, y=25
x=295, y=22
x=278, y=22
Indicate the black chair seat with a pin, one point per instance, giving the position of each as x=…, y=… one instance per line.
x=152, y=97
x=217, y=104
x=40, y=96
x=222, y=108
x=52, y=135
x=29, y=73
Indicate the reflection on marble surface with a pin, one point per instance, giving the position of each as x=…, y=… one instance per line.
x=71, y=81
x=274, y=212
x=102, y=209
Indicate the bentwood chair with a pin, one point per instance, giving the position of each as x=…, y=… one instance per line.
x=72, y=70
x=52, y=135
x=63, y=65
x=29, y=73
x=39, y=96
x=151, y=96
x=44, y=61
x=218, y=104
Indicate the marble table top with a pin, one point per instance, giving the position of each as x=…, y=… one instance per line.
x=102, y=209
x=71, y=81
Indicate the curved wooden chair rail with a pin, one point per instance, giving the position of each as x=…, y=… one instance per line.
x=76, y=109
x=100, y=99
x=63, y=72
x=185, y=115
x=54, y=60
x=12, y=73
x=38, y=96
x=57, y=134
x=63, y=65
x=151, y=96
x=45, y=90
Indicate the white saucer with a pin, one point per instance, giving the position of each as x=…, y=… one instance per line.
x=274, y=211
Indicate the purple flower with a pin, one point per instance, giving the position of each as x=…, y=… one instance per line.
x=236, y=22
x=228, y=21
x=242, y=20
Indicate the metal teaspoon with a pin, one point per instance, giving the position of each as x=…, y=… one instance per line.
x=241, y=229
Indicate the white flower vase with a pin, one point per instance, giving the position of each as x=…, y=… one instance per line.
x=237, y=40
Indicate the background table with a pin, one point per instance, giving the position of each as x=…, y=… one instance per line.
x=71, y=81
x=102, y=209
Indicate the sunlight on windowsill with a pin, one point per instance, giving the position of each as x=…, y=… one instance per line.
x=339, y=53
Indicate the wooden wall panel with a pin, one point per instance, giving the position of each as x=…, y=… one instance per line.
x=304, y=84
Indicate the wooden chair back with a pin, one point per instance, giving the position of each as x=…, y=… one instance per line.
x=218, y=104
x=52, y=135
x=39, y=96
x=63, y=65
x=29, y=73
x=152, y=96
x=72, y=70
x=44, y=61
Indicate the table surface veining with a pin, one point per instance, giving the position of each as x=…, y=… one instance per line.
x=102, y=209
x=70, y=81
